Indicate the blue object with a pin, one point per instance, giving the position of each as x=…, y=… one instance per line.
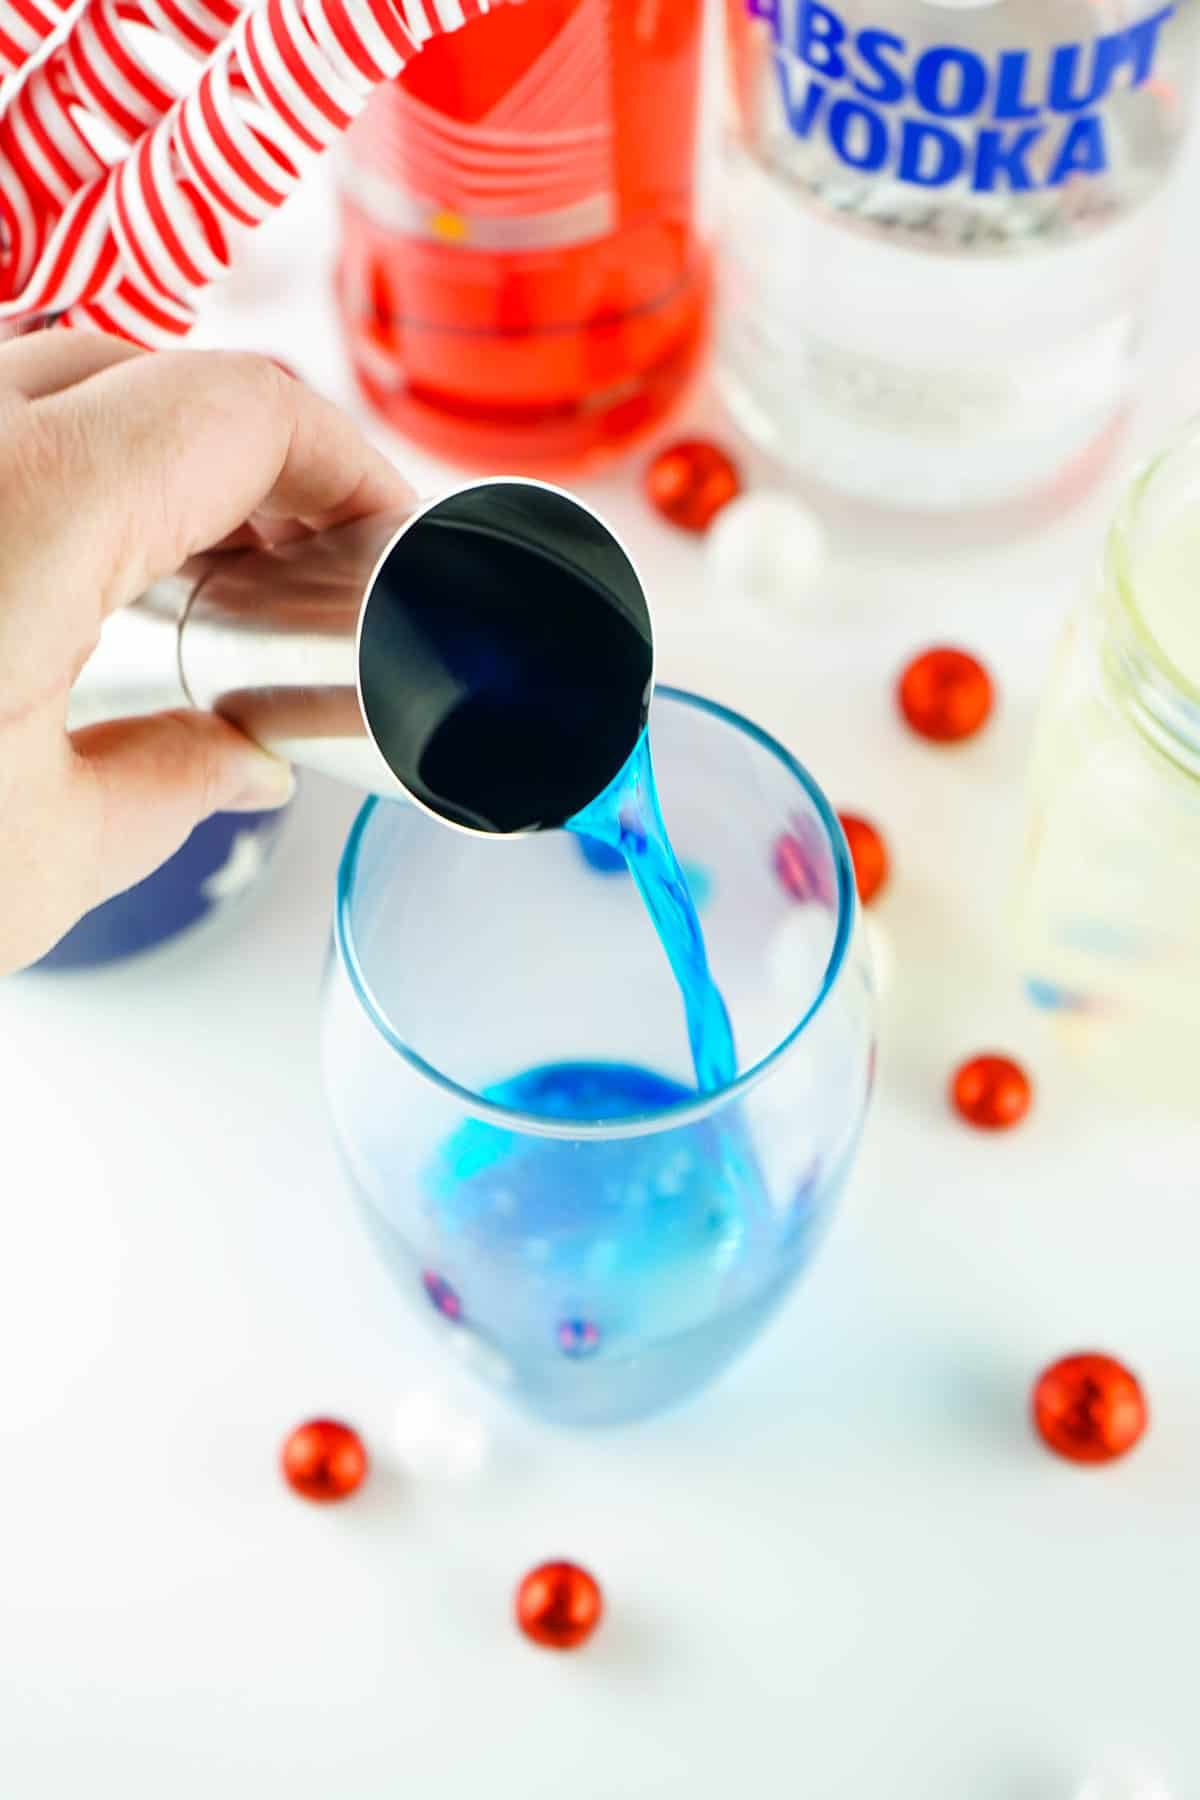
x=578, y=1337
x=606, y=861
x=600, y=856
x=1049, y=997
x=220, y=860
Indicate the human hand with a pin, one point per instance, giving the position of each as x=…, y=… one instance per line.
x=115, y=467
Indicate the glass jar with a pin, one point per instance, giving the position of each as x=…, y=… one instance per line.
x=508, y=1071
x=522, y=279
x=1108, y=908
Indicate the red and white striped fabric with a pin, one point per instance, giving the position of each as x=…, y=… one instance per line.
x=118, y=183
x=535, y=169
x=24, y=28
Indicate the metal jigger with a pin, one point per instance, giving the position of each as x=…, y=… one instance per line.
x=488, y=656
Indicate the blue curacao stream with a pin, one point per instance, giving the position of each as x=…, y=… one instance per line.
x=627, y=818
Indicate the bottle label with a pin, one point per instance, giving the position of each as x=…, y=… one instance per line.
x=1011, y=121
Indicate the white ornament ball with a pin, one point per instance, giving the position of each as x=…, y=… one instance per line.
x=883, y=957
x=798, y=955
x=1124, y=1778
x=766, y=553
x=436, y=1438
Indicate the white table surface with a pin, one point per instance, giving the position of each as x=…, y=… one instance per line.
x=848, y=1572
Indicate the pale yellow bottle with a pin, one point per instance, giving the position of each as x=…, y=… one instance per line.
x=1108, y=910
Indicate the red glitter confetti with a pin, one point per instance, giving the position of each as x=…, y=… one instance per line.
x=992, y=1093
x=324, y=1460
x=1089, y=1408
x=945, y=695
x=868, y=852
x=559, y=1605
x=578, y=1337
x=689, y=483
x=442, y=1296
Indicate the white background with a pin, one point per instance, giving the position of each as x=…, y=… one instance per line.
x=848, y=1572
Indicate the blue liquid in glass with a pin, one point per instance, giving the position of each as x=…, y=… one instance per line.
x=627, y=818
x=615, y=1278
x=616, y=1274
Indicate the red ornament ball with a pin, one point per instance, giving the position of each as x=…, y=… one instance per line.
x=992, y=1093
x=794, y=868
x=324, y=1460
x=804, y=866
x=868, y=853
x=559, y=1605
x=945, y=695
x=689, y=483
x=1089, y=1408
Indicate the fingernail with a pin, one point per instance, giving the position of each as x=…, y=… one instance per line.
x=266, y=782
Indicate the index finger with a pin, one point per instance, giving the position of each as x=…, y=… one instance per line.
x=166, y=455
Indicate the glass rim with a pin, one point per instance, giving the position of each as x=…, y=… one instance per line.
x=688, y=1112
x=1120, y=557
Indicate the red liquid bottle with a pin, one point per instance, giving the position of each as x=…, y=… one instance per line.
x=522, y=280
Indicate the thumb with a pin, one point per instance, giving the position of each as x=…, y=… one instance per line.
x=147, y=782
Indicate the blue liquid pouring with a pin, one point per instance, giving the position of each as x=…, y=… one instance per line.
x=627, y=819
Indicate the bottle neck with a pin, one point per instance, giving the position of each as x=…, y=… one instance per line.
x=1156, y=697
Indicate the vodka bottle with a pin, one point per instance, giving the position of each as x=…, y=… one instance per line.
x=942, y=220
